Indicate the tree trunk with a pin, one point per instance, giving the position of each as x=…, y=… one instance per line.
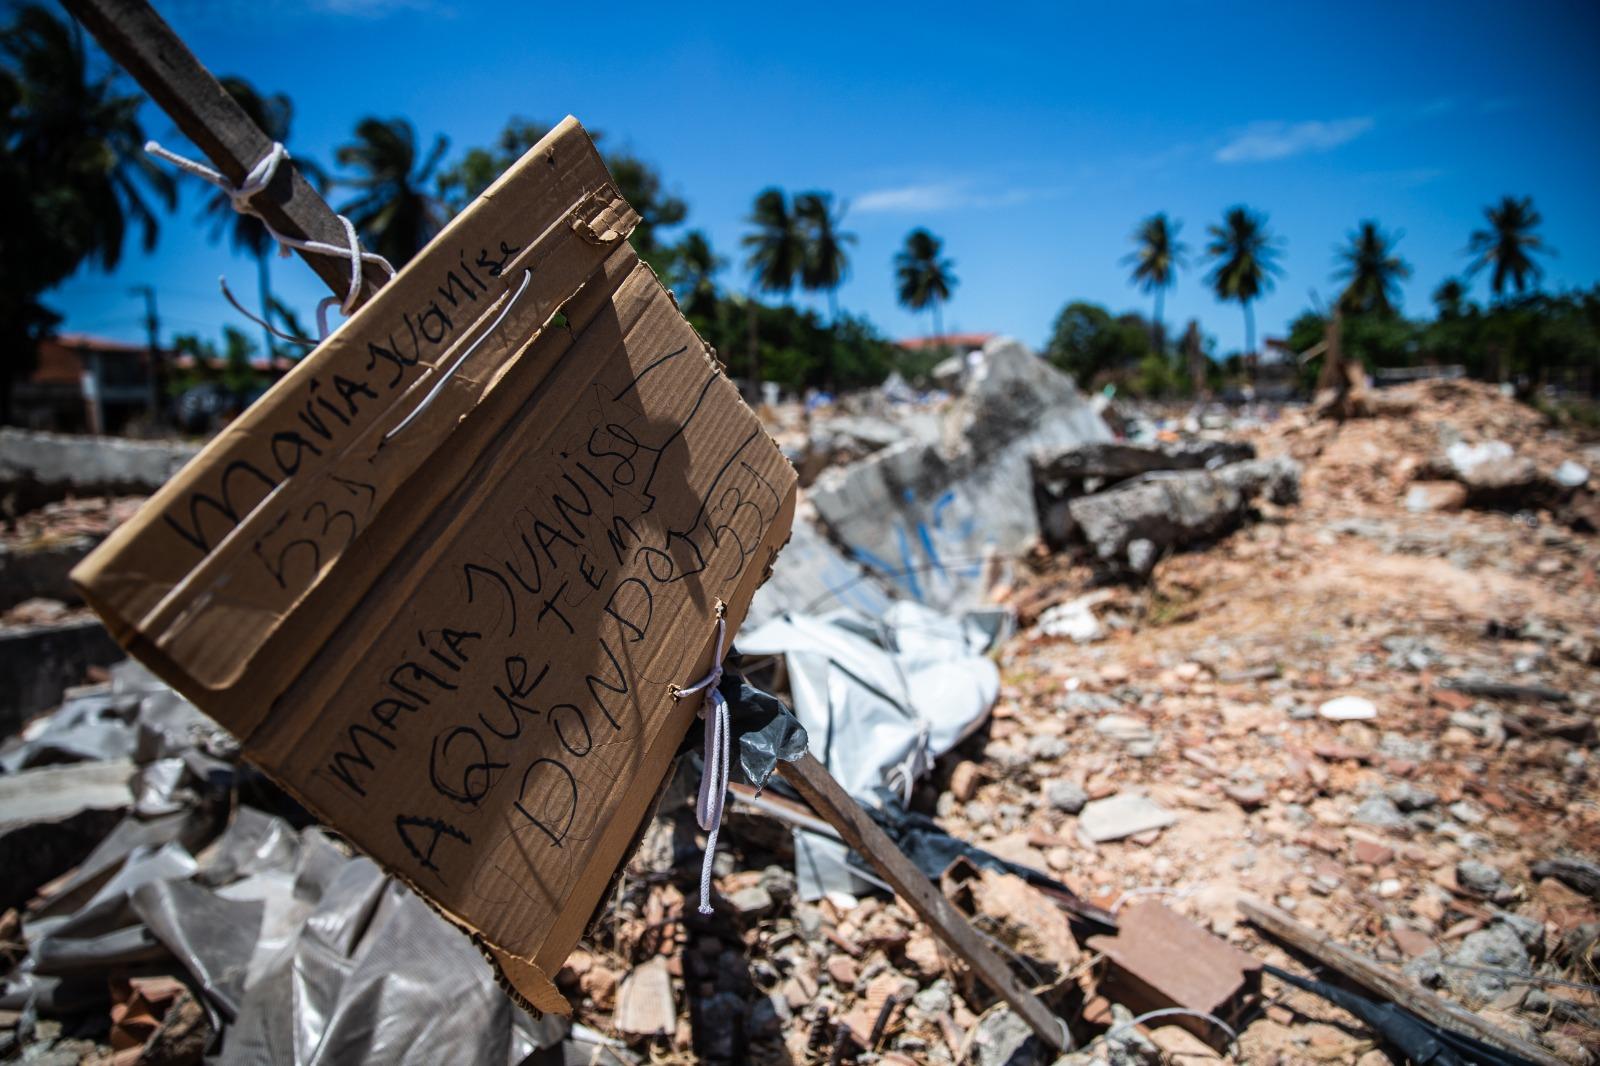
x=264, y=283
x=755, y=353
x=833, y=306
x=1249, y=330
x=1158, y=327
x=938, y=325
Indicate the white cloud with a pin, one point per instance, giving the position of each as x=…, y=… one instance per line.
x=935, y=196
x=1263, y=141
x=941, y=196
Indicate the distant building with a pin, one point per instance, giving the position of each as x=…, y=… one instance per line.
x=84, y=384
x=1275, y=372
x=961, y=344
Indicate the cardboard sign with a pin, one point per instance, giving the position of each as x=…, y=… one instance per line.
x=441, y=579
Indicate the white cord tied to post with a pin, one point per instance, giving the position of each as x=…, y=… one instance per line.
x=241, y=195
x=714, y=778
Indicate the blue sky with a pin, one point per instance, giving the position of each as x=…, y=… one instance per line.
x=1032, y=138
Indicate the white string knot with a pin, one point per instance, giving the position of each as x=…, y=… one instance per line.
x=714, y=779
x=241, y=197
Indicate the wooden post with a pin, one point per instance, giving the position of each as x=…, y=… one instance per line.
x=138, y=38
x=135, y=36
x=1386, y=983
x=825, y=795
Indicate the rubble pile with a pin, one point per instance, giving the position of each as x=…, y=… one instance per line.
x=1337, y=711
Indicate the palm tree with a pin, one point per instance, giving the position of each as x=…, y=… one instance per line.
x=1449, y=298
x=1246, y=257
x=73, y=175
x=273, y=114
x=1156, y=258
x=826, y=262
x=1372, y=269
x=395, y=212
x=924, y=278
x=1509, y=245
x=80, y=133
x=695, y=267
x=778, y=245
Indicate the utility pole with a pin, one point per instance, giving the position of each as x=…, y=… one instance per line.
x=152, y=328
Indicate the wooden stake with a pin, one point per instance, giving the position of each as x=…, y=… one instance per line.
x=141, y=41
x=1387, y=984
x=825, y=795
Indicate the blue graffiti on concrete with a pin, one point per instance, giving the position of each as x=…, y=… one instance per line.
x=943, y=548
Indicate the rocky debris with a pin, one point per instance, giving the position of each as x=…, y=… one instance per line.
x=1423, y=497
x=1061, y=474
x=1577, y=874
x=1480, y=878
x=1114, y=461
x=644, y=1000
x=1124, y=815
x=1130, y=526
x=37, y=468
x=1065, y=796
x=924, y=513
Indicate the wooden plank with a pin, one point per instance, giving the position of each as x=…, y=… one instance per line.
x=812, y=780
x=141, y=41
x=1384, y=982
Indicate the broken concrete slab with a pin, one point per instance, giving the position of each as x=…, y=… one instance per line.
x=37, y=468
x=926, y=516
x=39, y=663
x=1113, y=461
x=644, y=1000
x=1170, y=511
x=1161, y=959
x=52, y=793
x=810, y=575
x=39, y=571
x=1122, y=815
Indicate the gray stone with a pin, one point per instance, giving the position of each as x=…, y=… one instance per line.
x=1379, y=811
x=1004, y=1039
x=753, y=901
x=1410, y=797
x=1046, y=747
x=1175, y=510
x=779, y=883
x=1479, y=877
x=1065, y=796
x=1122, y=815
x=1497, y=948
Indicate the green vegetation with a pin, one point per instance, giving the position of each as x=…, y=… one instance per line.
x=1373, y=272
x=1245, y=254
x=1156, y=258
x=924, y=277
x=69, y=114
x=395, y=210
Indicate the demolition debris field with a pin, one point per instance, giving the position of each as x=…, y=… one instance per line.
x=1368, y=712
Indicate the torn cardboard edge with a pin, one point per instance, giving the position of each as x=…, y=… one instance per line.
x=457, y=460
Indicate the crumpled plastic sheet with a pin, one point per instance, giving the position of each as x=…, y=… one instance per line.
x=764, y=728
x=880, y=699
x=302, y=953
